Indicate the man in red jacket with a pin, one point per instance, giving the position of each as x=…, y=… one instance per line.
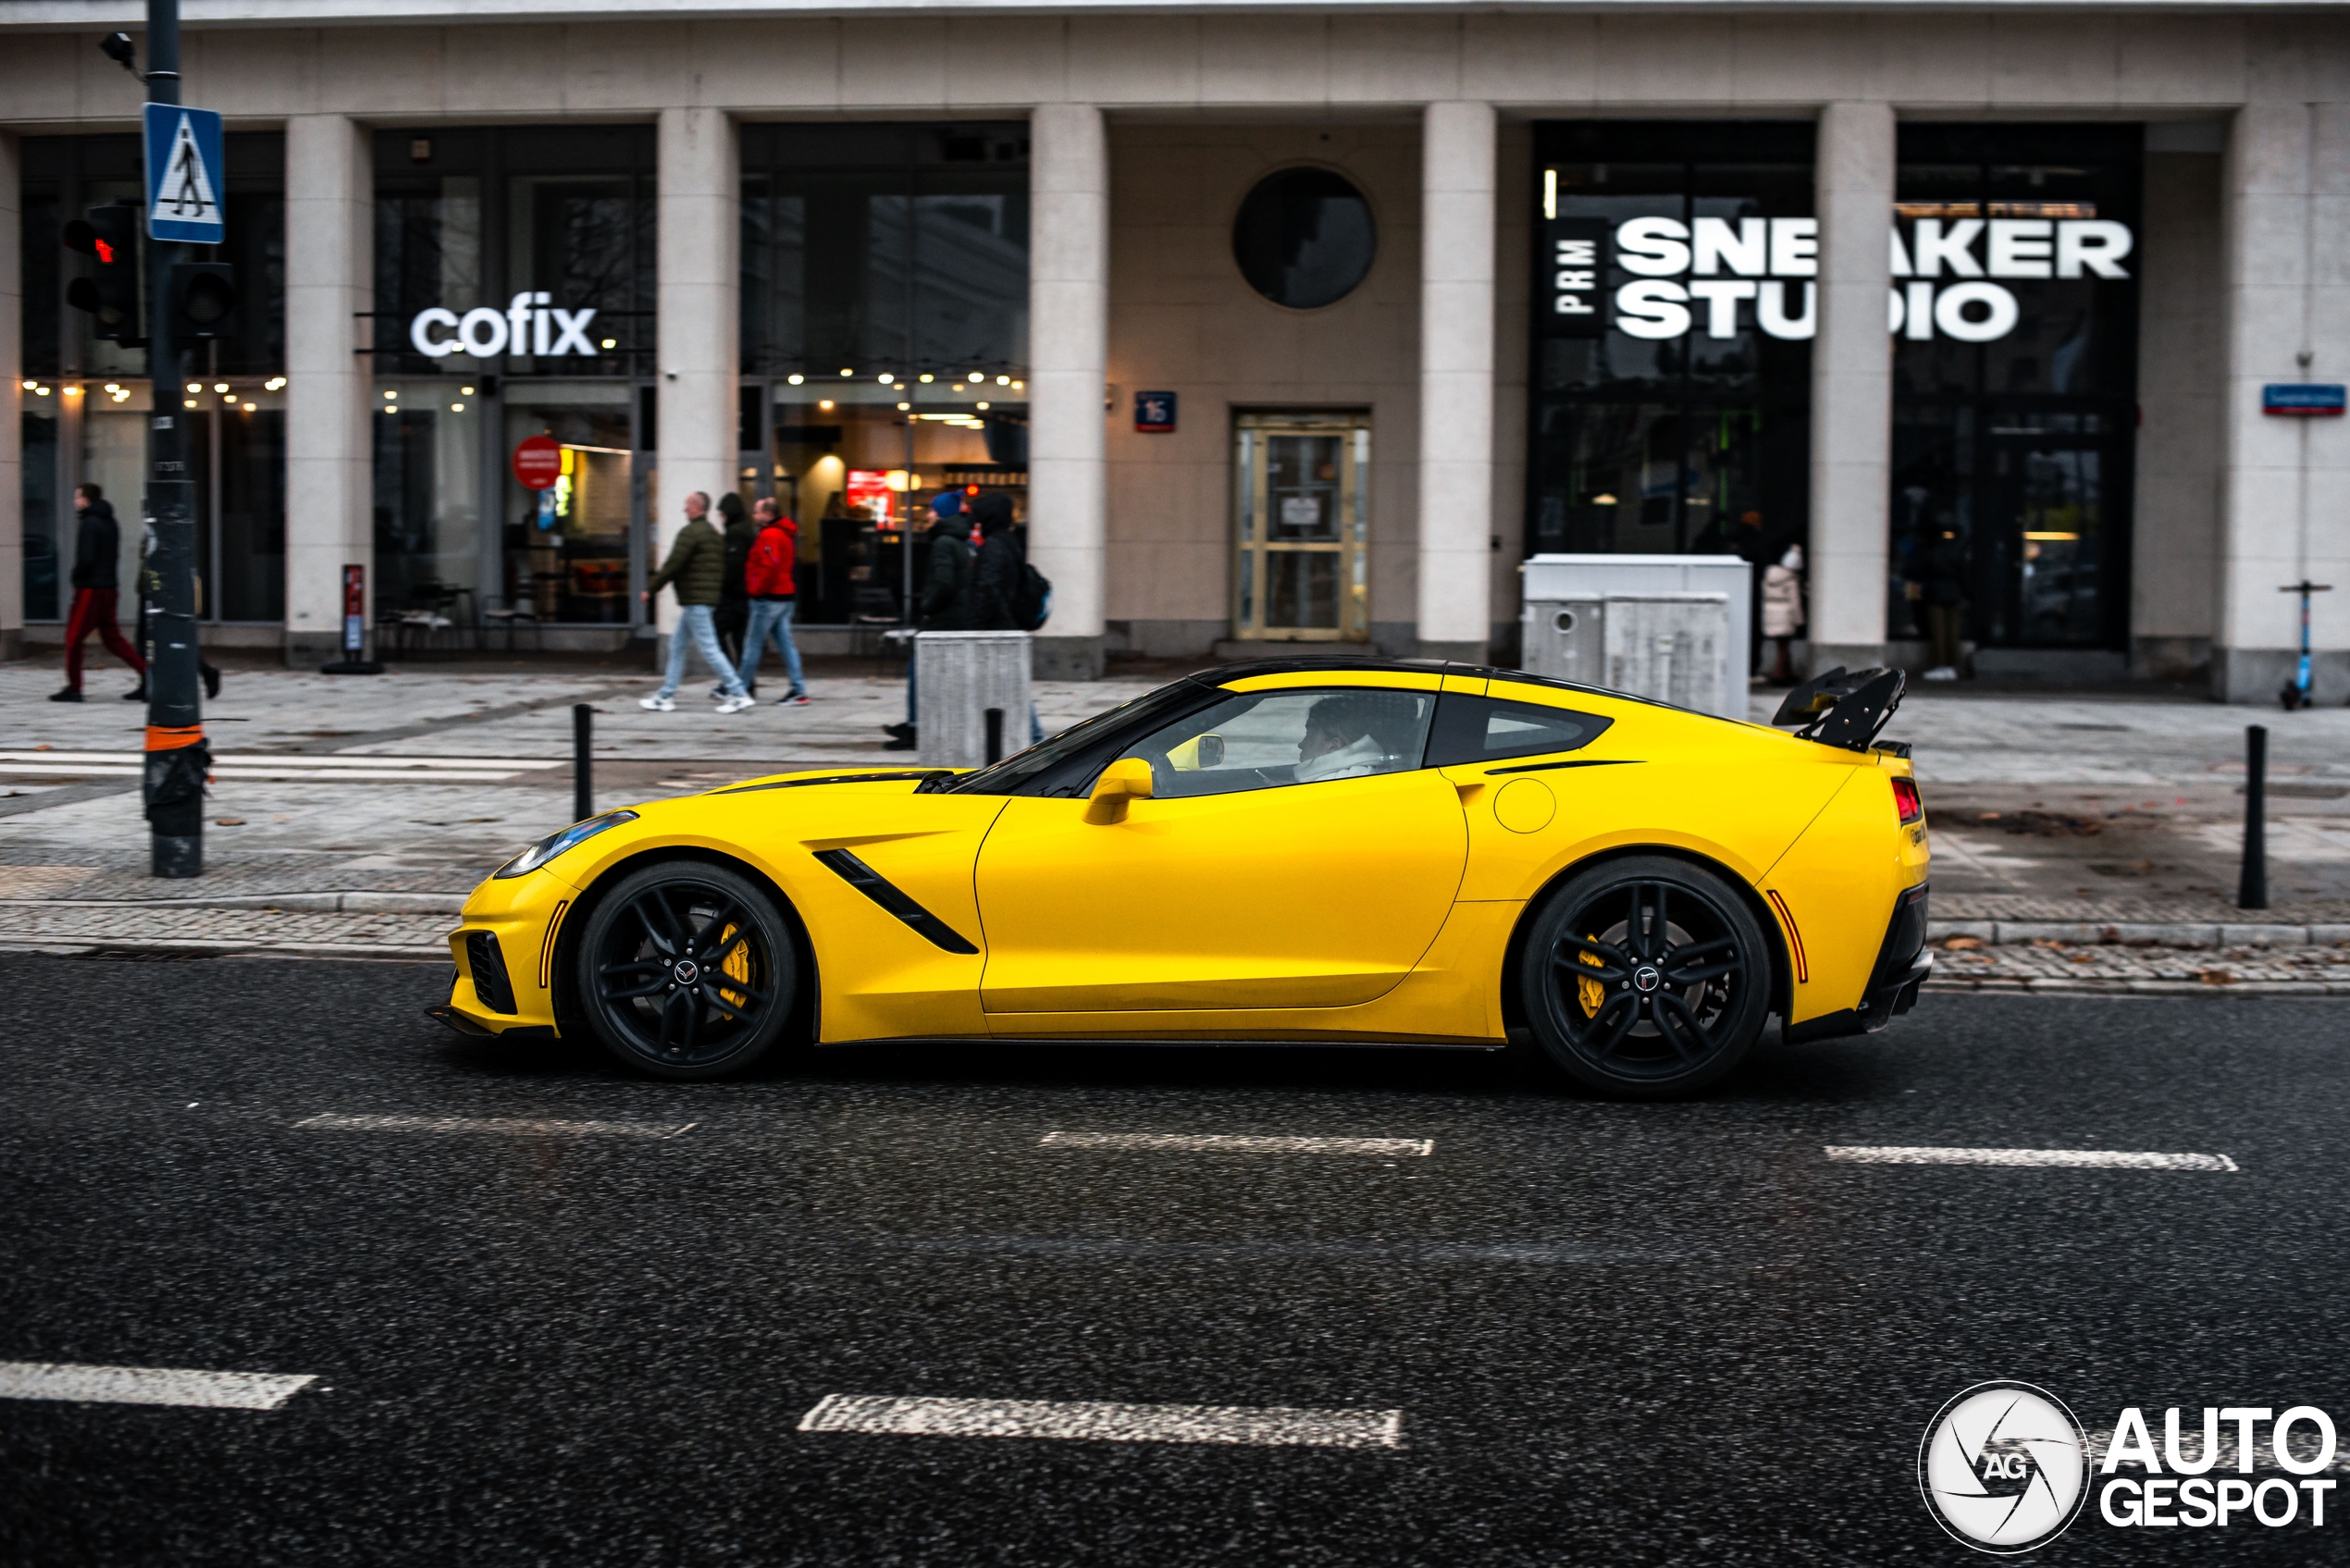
x=768, y=576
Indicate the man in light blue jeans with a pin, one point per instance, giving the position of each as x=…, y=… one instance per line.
x=696, y=565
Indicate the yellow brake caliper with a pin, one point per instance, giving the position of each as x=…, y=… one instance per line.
x=1591, y=992
x=736, y=966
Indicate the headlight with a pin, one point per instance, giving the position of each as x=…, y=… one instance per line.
x=555, y=843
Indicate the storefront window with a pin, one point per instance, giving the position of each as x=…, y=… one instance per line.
x=514, y=296
x=86, y=413
x=2015, y=379
x=884, y=321
x=1675, y=280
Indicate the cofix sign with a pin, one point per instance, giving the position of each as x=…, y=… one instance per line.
x=531, y=323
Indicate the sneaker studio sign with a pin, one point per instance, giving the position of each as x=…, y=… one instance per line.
x=1952, y=271
x=530, y=324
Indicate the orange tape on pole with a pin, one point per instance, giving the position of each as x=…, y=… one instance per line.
x=171, y=737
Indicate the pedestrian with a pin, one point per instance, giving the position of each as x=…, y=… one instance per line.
x=1946, y=599
x=697, y=567
x=999, y=598
x=944, y=603
x=1782, y=611
x=732, y=615
x=204, y=667
x=768, y=579
x=97, y=541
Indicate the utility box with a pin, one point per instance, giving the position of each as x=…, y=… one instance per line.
x=960, y=676
x=1652, y=645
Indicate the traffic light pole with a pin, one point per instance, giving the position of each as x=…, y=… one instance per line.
x=177, y=758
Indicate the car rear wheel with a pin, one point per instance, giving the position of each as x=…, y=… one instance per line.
x=1646, y=977
x=686, y=970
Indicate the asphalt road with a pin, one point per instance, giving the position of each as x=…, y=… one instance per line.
x=1620, y=1334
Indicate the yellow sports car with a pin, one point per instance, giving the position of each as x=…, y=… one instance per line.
x=1392, y=853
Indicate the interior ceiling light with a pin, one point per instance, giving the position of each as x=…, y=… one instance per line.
x=1003, y=380
x=795, y=380
x=978, y=376
x=983, y=403
x=925, y=377
x=903, y=407
x=198, y=386
x=220, y=386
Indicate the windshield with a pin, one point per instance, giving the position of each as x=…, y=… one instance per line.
x=1060, y=764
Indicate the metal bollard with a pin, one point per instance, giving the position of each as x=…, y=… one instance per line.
x=2252, y=889
x=995, y=717
x=583, y=784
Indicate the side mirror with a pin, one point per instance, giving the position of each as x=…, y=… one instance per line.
x=1129, y=778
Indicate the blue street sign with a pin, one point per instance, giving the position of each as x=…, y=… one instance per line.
x=2318, y=398
x=186, y=182
x=1155, y=412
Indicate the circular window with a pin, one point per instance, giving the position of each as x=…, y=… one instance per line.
x=1304, y=238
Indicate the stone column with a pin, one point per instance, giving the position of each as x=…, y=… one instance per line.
x=1068, y=352
x=1456, y=380
x=2287, y=219
x=699, y=323
x=1851, y=387
x=330, y=248
x=11, y=400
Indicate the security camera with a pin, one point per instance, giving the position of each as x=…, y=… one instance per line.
x=121, y=51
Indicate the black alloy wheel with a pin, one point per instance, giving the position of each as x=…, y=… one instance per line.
x=1646, y=977
x=686, y=970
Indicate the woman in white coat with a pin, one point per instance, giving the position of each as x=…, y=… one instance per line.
x=1783, y=611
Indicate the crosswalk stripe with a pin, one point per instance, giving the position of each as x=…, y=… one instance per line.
x=529, y=1127
x=2086, y=1159
x=295, y=760
x=149, y=1385
x=1266, y=1427
x=1236, y=1143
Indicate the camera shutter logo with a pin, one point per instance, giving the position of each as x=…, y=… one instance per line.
x=2004, y=1468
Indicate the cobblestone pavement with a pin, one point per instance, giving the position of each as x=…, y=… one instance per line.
x=1968, y=964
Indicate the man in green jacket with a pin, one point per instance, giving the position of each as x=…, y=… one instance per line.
x=697, y=569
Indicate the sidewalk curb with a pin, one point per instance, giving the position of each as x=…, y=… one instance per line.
x=447, y=904
x=160, y=947
x=2068, y=985
x=2131, y=934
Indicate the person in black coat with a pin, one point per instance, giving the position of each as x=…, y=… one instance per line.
x=996, y=574
x=98, y=543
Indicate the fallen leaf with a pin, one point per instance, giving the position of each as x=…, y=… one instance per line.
x=2083, y=958
x=1960, y=943
x=228, y=822
x=2215, y=977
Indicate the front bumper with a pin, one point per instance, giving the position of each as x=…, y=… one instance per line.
x=1903, y=961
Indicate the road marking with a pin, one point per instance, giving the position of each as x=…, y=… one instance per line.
x=149, y=1385
x=1236, y=1143
x=2104, y=1159
x=262, y=767
x=1269, y=1426
x=526, y=1126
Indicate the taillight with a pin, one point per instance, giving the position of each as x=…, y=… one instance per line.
x=1905, y=799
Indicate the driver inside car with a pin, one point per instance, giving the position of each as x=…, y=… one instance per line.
x=1341, y=740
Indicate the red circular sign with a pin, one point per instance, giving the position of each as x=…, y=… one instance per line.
x=538, y=462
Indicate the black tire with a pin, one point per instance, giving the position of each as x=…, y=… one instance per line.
x=1642, y=1007
x=642, y=971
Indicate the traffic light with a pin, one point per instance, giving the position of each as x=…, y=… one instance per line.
x=204, y=302
x=109, y=235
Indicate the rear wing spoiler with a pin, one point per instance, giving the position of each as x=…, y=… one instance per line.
x=1844, y=708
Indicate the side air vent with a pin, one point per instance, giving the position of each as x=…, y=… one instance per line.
x=891, y=897
x=488, y=965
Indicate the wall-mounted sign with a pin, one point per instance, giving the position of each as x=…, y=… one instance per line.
x=870, y=494
x=1155, y=413
x=538, y=462
x=2304, y=400
x=529, y=325
x=1720, y=276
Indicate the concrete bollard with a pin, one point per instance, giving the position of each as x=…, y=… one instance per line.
x=962, y=674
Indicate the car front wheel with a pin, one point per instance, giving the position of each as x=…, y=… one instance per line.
x=686, y=970
x=1646, y=977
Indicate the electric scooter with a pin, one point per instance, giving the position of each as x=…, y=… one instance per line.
x=2297, y=693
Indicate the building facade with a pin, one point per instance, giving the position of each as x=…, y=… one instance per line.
x=1282, y=324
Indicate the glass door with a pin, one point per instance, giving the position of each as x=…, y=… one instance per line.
x=568, y=555
x=2043, y=573
x=1301, y=570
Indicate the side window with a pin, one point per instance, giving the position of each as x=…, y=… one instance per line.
x=1264, y=739
x=1485, y=729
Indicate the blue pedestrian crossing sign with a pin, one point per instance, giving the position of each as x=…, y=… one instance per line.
x=185, y=179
